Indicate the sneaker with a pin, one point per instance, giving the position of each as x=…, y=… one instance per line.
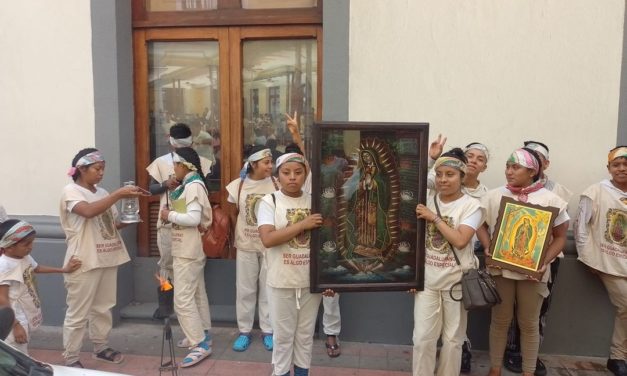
x=617, y=366
x=267, y=341
x=512, y=361
x=466, y=358
x=242, y=342
x=540, y=368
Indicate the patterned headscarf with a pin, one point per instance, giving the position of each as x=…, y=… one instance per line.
x=290, y=157
x=261, y=154
x=479, y=146
x=86, y=160
x=618, y=152
x=16, y=233
x=450, y=162
x=525, y=159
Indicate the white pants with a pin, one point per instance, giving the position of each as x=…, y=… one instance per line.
x=190, y=298
x=90, y=297
x=293, y=313
x=250, y=279
x=435, y=315
x=331, y=319
x=617, y=291
x=164, y=243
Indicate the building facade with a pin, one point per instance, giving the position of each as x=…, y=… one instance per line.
x=114, y=74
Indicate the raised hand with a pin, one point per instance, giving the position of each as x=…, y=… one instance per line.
x=292, y=124
x=436, y=147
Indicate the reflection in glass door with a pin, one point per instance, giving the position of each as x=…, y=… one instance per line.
x=278, y=76
x=183, y=87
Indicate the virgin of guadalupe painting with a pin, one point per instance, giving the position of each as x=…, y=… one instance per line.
x=616, y=225
x=367, y=180
x=521, y=236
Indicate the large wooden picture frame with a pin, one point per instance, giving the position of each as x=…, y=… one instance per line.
x=367, y=180
x=521, y=236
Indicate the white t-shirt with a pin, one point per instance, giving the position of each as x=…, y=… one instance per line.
x=95, y=241
x=161, y=169
x=441, y=269
x=288, y=263
x=19, y=275
x=246, y=231
x=601, y=229
x=186, y=240
x=492, y=201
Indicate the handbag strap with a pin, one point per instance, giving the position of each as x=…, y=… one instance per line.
x=437, y=209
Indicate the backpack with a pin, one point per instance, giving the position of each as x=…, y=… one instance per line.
x=216, y=241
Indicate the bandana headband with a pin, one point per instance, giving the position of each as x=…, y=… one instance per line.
x=525, y=159
x=181, y=142
x=86, y=160
x=479, y=146
x=178, y=159
x=261, y=154
x=16, y=233
x=538, y=148
x=290, y=157
x=450, y=162
x=620, y=151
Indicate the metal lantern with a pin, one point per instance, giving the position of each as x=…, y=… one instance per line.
x=130, y=208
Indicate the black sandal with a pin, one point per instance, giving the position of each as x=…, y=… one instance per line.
x=333, y=350
x=109, y=355
x=76, y=364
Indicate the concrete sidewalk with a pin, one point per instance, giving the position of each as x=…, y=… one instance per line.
x=141, y=344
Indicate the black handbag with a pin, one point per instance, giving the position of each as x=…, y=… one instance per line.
x=478, y=287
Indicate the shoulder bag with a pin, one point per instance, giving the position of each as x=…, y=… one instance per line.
x=478, y=287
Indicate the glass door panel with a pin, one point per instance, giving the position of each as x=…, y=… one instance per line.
x=183, y=87
x=278, y=76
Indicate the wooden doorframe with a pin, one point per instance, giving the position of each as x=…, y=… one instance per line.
x=230, y=41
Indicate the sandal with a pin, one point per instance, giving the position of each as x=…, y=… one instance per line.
x=76, y=364
x=109, y=355
x=333, y=347
x=197, y=354
x=184, y=343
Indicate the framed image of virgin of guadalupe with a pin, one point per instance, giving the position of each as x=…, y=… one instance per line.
x=367, y=180
x=521, y=236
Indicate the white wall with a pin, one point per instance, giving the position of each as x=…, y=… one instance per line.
x=46, y=99
x=495, y=71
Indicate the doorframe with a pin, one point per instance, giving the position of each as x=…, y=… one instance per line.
x=230, y=40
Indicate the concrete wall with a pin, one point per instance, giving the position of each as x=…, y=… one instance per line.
x=496, y=71
x=46, y=101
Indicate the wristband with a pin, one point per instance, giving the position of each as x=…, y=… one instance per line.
x=437, y=220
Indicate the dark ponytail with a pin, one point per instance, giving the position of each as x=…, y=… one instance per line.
x=192, y=157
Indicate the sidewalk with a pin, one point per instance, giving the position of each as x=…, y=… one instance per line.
x=141, y=344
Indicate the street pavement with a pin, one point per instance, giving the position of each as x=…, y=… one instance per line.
x=141, y=344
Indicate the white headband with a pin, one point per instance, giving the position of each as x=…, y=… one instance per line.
x=181, y=142
x=538, y=148
x=479, y=146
